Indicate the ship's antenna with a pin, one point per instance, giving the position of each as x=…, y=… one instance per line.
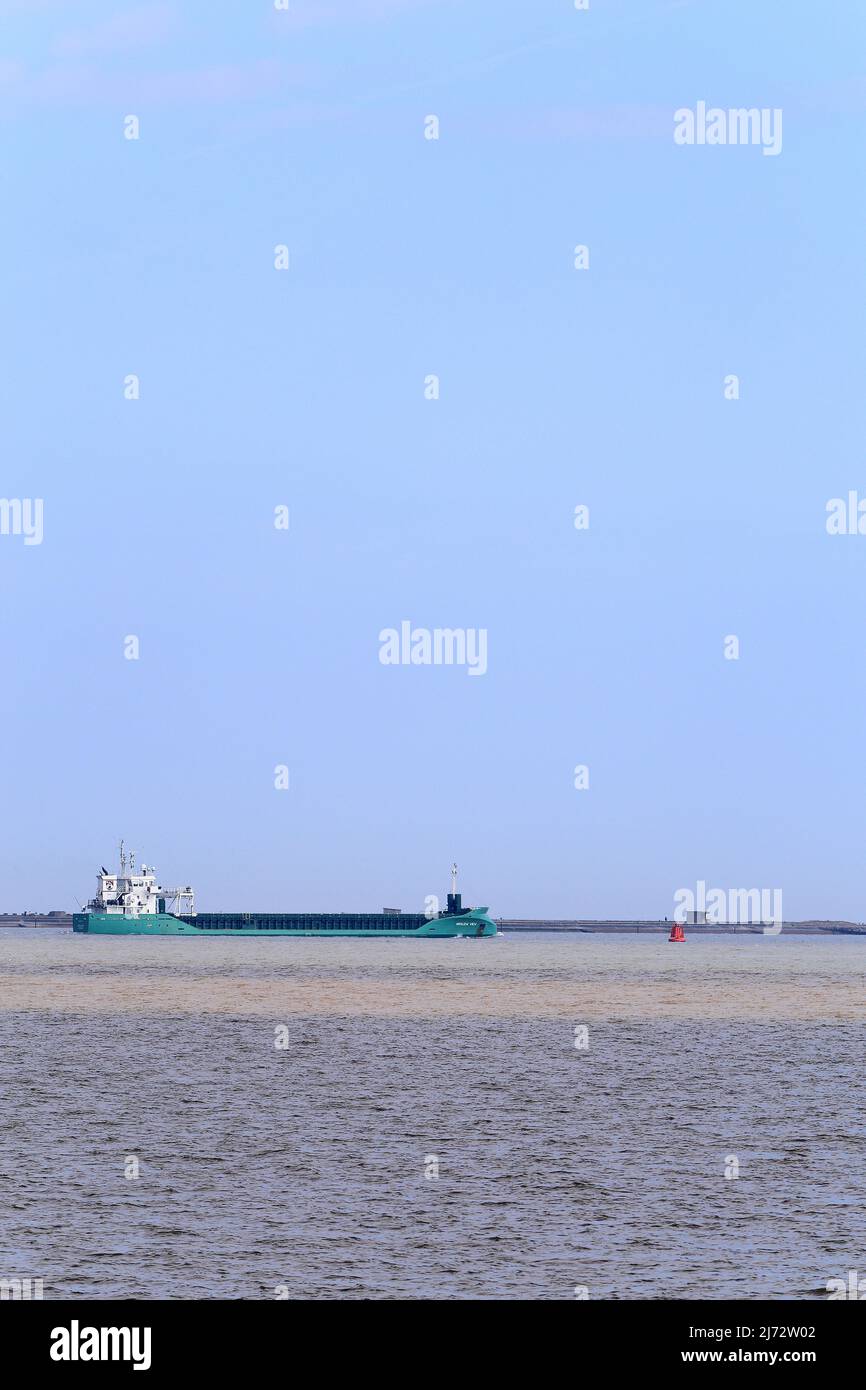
x=454, y=879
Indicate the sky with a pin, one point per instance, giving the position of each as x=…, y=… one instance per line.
x=258, y=647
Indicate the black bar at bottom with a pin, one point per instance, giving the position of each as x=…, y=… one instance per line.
x=221, y=1337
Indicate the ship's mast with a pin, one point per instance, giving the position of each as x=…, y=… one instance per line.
x=122, y=861
x=454, y=902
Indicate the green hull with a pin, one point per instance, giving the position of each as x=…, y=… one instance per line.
x=473, y=922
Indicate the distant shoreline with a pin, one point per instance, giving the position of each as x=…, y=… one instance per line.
x=808, y=928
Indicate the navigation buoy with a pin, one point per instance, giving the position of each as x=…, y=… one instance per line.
x=677, y=933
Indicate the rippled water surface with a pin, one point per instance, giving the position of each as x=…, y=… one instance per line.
x=303, y=1168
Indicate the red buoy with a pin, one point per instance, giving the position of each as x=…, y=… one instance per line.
x=677, y=933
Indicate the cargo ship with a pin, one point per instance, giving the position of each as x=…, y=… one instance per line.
x=131, y=903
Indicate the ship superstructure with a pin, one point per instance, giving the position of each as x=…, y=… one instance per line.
x=132, y=903
x=132, y=894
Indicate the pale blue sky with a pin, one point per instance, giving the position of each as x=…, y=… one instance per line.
x=557, y=387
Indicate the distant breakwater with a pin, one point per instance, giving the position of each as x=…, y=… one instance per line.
x=811, y=928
